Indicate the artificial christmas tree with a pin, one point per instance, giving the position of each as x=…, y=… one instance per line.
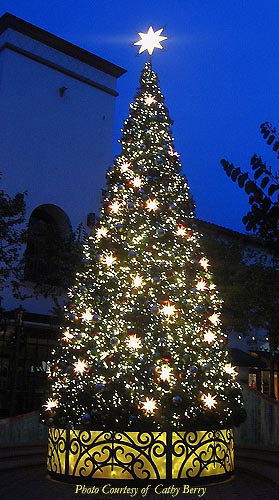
x=141, y=366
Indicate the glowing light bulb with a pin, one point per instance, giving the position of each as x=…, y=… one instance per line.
x=230, y=370
x=101, y=232
x=51, y=404
x=87, y=315
x=80, y=366
x=109, y=260
x=134, y=342
x=204, y=263
x=137, y=281
x=165, y=373
x=67, y=336
x=214, y=319
x=149, y=406
x=209, y=401
x=125, y=167
x=181, y=231
x=149, y=100
x=137, y=182
x=201, y=285
x=114, y=207
x=168, y=310
x=209, y=337
x=152, y=205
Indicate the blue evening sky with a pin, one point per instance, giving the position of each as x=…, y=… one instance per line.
x=218, y=72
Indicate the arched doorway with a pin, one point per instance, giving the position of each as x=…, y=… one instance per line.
x=47, y=252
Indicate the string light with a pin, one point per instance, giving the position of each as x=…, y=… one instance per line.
x=131, y=272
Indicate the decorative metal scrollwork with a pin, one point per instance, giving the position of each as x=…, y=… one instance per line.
x=202, y=453
x=99, y=455
x=122, y=455
x=56, y=457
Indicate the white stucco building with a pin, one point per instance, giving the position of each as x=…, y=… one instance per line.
x=56, y=129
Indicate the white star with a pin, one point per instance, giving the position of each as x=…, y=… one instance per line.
x=150, y=40
x=134, y=342
x=80, y=366
x=51, y=404
x=209, y=401
x=149, y=406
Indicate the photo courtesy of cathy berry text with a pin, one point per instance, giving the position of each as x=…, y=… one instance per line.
x=160, y=489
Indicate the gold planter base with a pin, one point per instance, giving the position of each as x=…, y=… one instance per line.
x=94, y=457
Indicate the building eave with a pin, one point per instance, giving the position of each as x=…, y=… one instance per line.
x=10, y=21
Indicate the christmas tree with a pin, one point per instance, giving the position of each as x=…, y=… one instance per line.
x=143, y=347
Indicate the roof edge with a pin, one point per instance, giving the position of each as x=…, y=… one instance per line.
x=10, y=21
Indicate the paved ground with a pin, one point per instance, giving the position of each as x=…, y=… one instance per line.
x=32, y=483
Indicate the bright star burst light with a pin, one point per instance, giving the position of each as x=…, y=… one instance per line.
x=87, y=315
x=201, y=285
x=101, y=232
x=149, y=100
x=114, y=207
x=230, y=370
x=134, y=342
x=214, y=318
x=80, y=366
x=125, y=167
x=204, y=262
x=137, y=281
x=150, y=40
x=165, y=373
x=67, y=335
x=51, y=404
x=168, y=310
x=109, y=260
x=181, y=231
x=149, y=405
x=209, y=337
x=209, y=401
x=152, y=205
x=137, y=182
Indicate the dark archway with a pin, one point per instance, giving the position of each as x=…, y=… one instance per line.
x=49, y=233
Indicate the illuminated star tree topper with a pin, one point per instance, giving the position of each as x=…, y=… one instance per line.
x=150, y=40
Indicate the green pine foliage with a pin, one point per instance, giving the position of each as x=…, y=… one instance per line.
x=143, y=346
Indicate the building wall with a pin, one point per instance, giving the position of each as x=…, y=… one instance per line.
x=55, y=145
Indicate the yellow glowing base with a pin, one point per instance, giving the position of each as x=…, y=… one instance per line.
x=94, y=456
